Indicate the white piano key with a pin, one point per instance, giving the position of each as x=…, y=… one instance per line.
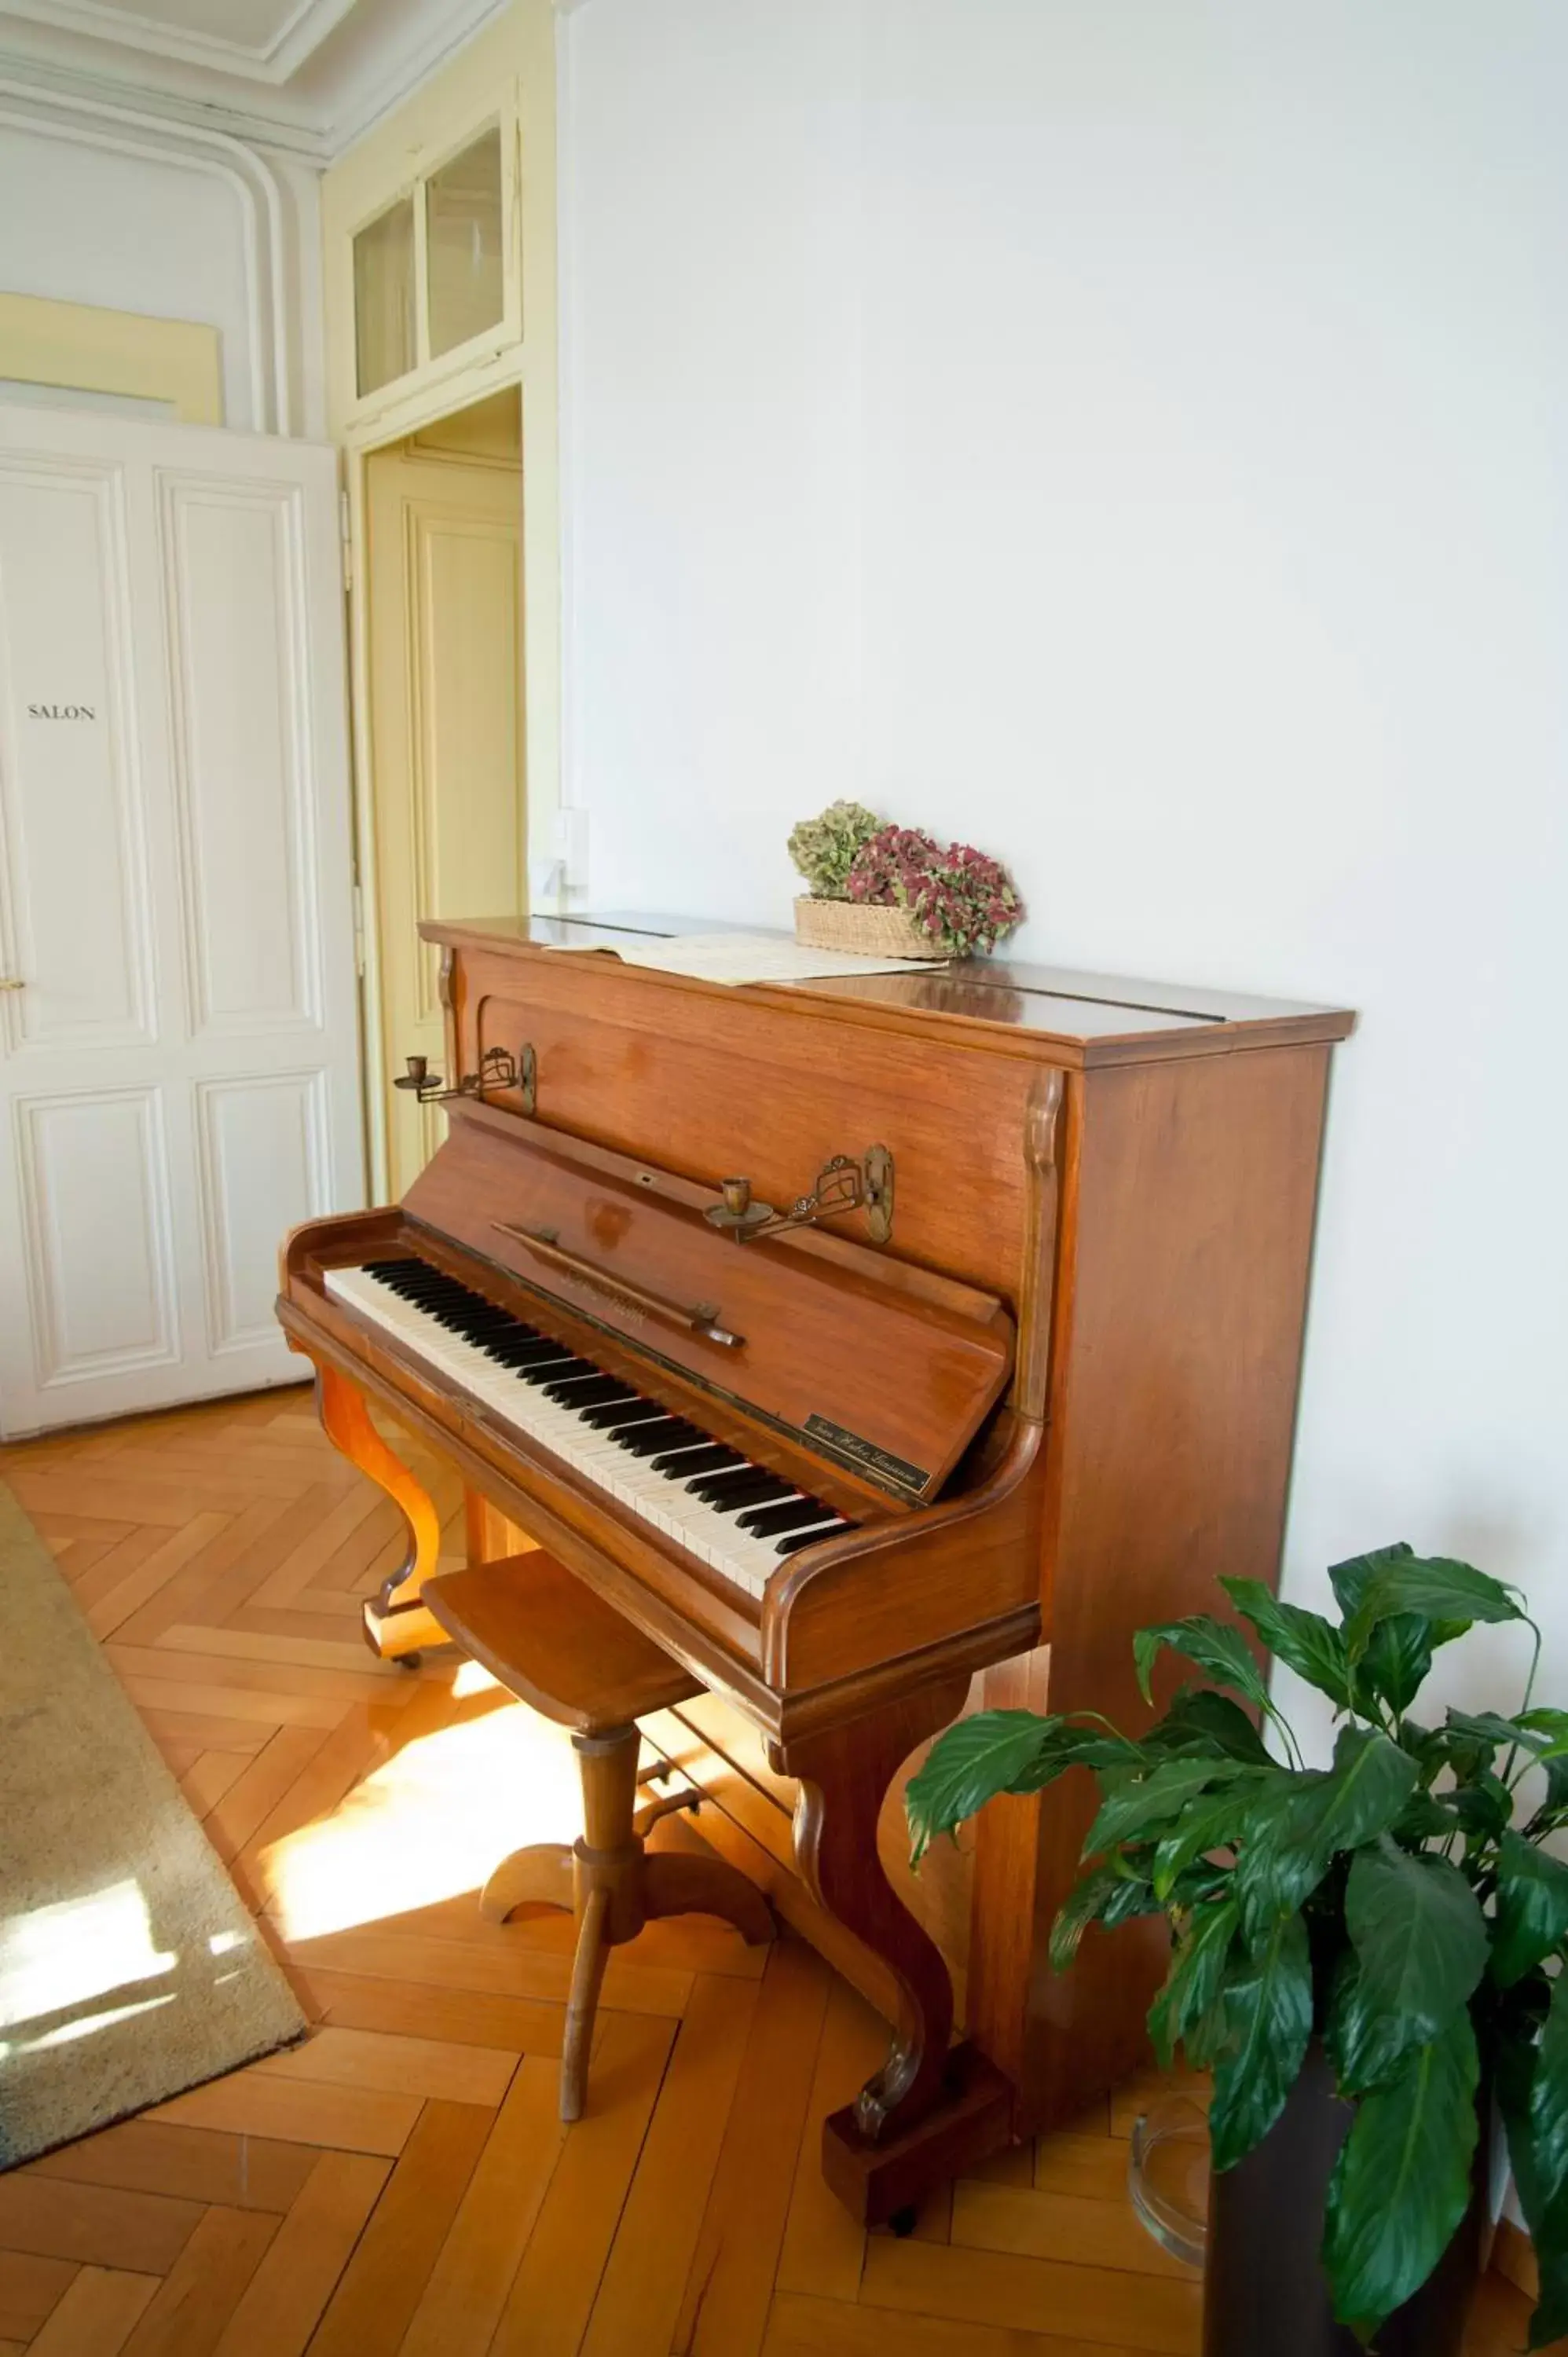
x=662, y=1500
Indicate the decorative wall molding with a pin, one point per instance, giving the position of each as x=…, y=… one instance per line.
x=310, y=84
x=253, y=183
x=299, y=33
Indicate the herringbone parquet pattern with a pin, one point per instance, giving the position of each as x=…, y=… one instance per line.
x=400, y=2183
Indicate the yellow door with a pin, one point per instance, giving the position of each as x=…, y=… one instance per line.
x=443, y=527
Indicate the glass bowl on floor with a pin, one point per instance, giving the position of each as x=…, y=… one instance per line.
x=1167, y=2176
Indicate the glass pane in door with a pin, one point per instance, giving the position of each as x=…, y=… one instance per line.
x=463, y=243
x=383, y=297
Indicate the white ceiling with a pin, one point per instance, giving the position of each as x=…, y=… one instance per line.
x=308, y=74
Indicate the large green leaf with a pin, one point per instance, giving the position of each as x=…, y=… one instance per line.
x=1434, y=1585
x=1532, y=1908
x=1213, y=1821
x=1301, y=1825
x=1488, y=1727
x=1350, y=1579
x=1186, y=2009
x=1483, y=1807
x=1141, y=1805
x=1267, y=2024
x=998, y=1752
x=1401, y=2183
x=1420, y=1942
x=1214, y=1645
x=1398, y=1656
x=1084, y=1905
x=1515, y=2065
x=1549, y=2102
x=1551, y=1726
x=1303, y=1641
x=1200, y=1719
x=1544, y=1721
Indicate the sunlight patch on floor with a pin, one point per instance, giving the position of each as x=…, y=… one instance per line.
x=68, y=1954
x=428, y=1825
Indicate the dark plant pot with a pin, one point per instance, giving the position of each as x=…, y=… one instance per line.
x=1263, y=2288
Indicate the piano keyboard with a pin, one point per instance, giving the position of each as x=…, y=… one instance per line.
x=734, y=1516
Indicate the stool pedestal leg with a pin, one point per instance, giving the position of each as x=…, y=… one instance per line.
x=541, y=1875
x=582, y=2005
x=614, y=1886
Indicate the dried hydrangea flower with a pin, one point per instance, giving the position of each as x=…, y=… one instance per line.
x=824, y=848
x=966, y=901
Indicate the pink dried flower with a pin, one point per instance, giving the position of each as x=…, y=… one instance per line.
x=966, y=901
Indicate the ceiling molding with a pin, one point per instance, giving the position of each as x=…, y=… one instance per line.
x=349, y=73
x=299, y=36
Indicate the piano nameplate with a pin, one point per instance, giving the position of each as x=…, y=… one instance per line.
x=865, y=1457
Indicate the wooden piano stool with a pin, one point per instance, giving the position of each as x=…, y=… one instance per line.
x=558, y=1646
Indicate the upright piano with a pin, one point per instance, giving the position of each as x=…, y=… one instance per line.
x=881, y=1347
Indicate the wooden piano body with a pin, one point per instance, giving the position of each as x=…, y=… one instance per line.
x=1052, y=1406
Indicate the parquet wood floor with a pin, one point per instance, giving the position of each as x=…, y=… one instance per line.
x=400, y=2182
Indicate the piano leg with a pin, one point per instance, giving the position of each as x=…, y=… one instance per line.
x=396, y=1622
x=931, y=2108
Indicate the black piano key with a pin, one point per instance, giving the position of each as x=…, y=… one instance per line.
x=794, y=1541
x=714, y=1459
x=590, y=1392
x=794, y=1515
x=526, y=1350
x=728, y=1492
x=633, y=1411
x=642, y=1440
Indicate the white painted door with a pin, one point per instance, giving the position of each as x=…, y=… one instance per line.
x=179, y=1049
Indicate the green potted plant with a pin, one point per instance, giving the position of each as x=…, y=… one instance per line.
x=1362, y=1954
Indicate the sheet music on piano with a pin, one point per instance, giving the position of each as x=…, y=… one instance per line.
x=735, y=959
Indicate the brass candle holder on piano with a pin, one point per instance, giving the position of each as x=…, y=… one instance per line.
x=842, y=1186
x=498, y=1069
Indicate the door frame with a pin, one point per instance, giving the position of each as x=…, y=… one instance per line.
x=541, y=679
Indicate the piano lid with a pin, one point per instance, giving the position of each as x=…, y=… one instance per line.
x=1092, y=1018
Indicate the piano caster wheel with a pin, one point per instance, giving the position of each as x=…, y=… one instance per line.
x=409, y=1661
x=902, y=2222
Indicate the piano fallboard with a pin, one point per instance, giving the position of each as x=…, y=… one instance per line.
x=885, y=1369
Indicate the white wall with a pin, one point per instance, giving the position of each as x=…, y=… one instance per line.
x=101, y=206
x=1132, y=435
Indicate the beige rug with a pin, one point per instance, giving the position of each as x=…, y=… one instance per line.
x=129, y=1968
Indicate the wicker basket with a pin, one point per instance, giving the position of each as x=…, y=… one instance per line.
x=861, y=929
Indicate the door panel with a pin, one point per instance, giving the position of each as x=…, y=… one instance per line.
x=179, y=1053
x=263, y=1148
x=104, y=1290
x=444, y=540
x=74, y=915
x=241, y=760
